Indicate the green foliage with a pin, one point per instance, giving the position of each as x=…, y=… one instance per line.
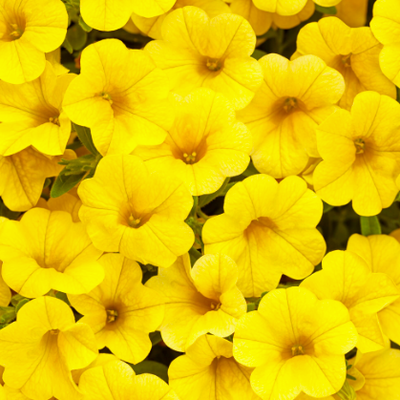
x=326, y=10
x=370, y=226
x=152, y=367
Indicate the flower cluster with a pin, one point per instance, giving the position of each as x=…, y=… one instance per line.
x=199, y=200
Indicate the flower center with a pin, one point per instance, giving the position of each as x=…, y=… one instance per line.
x=215, y=306
x=213, y=64
x=360, y=146
x=16, y=32
x=297, y=350
x=54, y=120
x=54, y=331
x=346, y=60
x=189, y=158
x=112, y=316
x=134, y=222
x=289, y=104
x=106, y=96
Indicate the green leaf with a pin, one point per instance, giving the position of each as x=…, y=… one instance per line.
x=67, y=45
x=327, y=207
x=208, y=198
x=84, y=25
x=85, y=137
x=64, y=183
x=152, y=367
x=21, y=304
x=7, y=314
x=258, y=54
x=5, y=212
x=326, y=10
x=155, y=337
x=16, y=299
x=62, y=296
x=194, y=255
x=370, y=226
x=77, y=37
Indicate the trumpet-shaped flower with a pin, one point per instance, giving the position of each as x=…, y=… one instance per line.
x=130, y=209
x=382, y=255
x=268, y=228
x=109, y=15
x=199, y=300
x=31, y=115
x=296, y=343
x=347, y=278
x=46, y=250
x=122, y=109
x=40, y=349
x=294, y=98
x=361, y=154
x=205, y=145
x=197, y=51
x=209, y=371
x=354, y=52
x=152, y=26
x=117, y=381
x=26, y=34
x=121, y=311
x=385, y=26
x=261, y=21
x=353, y=12
x=23, y=175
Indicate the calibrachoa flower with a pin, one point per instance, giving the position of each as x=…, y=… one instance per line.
x=294, y=98
x=286, y=8
x=152, y=26
x=361, y=154
x=121, y=311
x=69, y=202
x=122, y=109
x=382, y=255
x=26, y=34
x=46, y=250
x=347, y=278
x=386, y=27
x=261, y=21
x=353, y=12
x=268, y=228
x=40, y=349
x=205, y=145
x=197, y=51
x=23, y=175
x=296, y=343
x=127, y=208
x=209, y=371
x=110, y=15
x=199, y=300
x=31, y=115
x=117, y=381
x=354, y=52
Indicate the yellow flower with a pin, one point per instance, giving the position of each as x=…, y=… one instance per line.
x=361, y=155
x=205, y=145
x=121, y=311
x=69, y=202
x=23, y=175
x=117, y=380
x=122, y=109
x=109, y=15
x=269, y=230
x=46, y=250
x=354, y=52
x=31, y=115
x=209, y=371
x=353, y=12
x=40, y=349
x=197, y=51
x=198, y=300
x=127, y=208
x=385, y=26
x=296, y=344
x=294, y=98
x=152, y=26
x=28, y=30
x=289, y=8
x=347, y=278
x=5, y=292
x=382, y=255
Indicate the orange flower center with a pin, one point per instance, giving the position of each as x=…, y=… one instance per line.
x=54, y=331
x=106, y=96
x=297, y=350
x=190, y=158
x=15, y=31
x=346, y=60
x=134, y=222
x=215, y=306
x=112, y=316
x=290, y=104
x=214, y=64
x=360, y=145
x=54, y=120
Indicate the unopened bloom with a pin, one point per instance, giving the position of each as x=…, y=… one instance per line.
x=122, y=109
x=205, y=145
x=31, y=115
x=347, y=278
x=121, y=311
x=354, y=52
x=361, y=154
x=46, y=250
x=130, y=209
x=296, y=343
x=269, y=229
x=28, y=30
x=294, y=98
x=198, y=300
x=40, y=349
x=197, y=51
x=209, y=371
